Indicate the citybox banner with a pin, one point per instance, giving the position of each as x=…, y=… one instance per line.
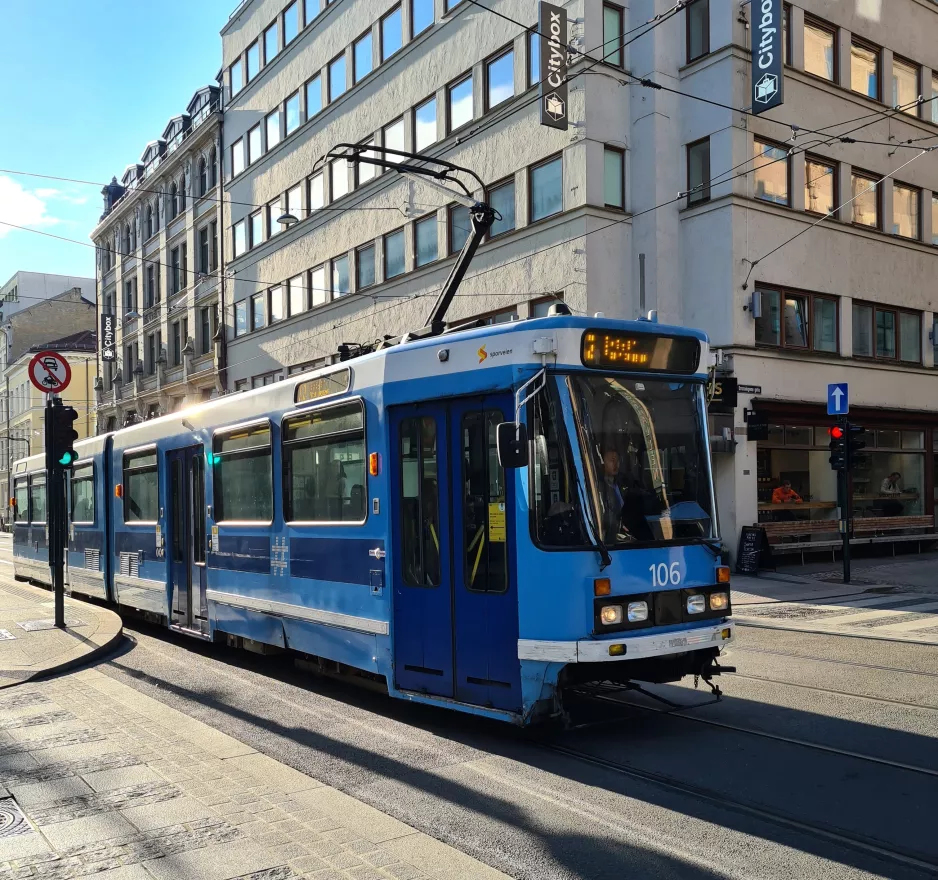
x=108, y=350
x=552, y=26
x=767, y=59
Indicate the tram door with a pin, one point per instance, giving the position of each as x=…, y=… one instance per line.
x=186, y=547
x=455, y=595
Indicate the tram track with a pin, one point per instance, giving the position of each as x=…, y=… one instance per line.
x=851, y=663
x=825, y=831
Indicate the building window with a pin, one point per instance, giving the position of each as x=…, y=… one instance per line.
x=258, y=311
x=276, y=304
x=243, y=479
x=152, y=354
x=865, y=194
x=173, y=204
x=337, y=80
x=770, y=171
x=292, y=112
x=213, y=167
x=272, y=123
x=297, y=301
x=459, y=103
x=934, y=225
x=149, y=221
x=797, y=320
x=316, y=197
x=393, y=136
x=499, y=79
x=425, y=241
x=698, y=172
x=864, y=69
x=820, y=53
x=459, y=227
x=255, y=148
x=314, y=96
x=341, y=283
x=365, y=171
x=338, y=179
x=905, y=86
x=294, y=201
x=392, y=32
x=205, y=330
x=203, y=176
x=176, y=269
x=421, y=16
x=256, y=229
x=887, y=334
x=502, y=199
x=614, y=177
x=425, y=125
x=318, y=289
x=177, y=344
x=213, y=265
x=254, y=60
x=236, y=77
x=291, y=22
x=361, y=57
x=241, y=317
x=934, y=95
x=534, y=57
x=612, y=53
x=274, y=212
x=271, y=43
x=906, y=211
x=820, y=186
x=452, y=4
x=698, y=29
x=394, y=264
x=786, y=32
x=364, y=267
x=546, y=189
x=239, y=238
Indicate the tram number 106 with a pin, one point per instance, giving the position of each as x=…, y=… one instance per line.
x=663, y=575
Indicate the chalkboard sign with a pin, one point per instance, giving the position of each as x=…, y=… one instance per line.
x=754, y=551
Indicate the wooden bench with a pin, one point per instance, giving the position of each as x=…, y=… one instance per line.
x=866, y=530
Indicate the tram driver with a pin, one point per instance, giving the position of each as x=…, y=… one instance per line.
x=624, y=502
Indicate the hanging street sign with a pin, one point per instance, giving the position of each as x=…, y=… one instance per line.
x=768, y=76
x=108, y=338
x=50, y=372
x=552, y=26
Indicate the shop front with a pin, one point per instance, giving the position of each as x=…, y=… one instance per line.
x=895, y=476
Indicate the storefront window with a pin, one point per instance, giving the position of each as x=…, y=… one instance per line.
x=798, y=436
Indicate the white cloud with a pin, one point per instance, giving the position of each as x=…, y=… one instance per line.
x=46, y=193
x=57, y=194
x=21, y=208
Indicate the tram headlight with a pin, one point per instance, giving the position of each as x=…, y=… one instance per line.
x=696, y=604
x=637, y=611
x=719, y=601
x=610, y=614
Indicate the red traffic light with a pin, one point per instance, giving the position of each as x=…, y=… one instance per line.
x=836, y=433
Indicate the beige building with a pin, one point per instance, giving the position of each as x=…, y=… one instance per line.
x=159, y=271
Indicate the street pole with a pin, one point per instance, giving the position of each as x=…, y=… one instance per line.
x=55, y=507
x=846, y=510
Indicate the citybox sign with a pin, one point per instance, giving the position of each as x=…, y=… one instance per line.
x=108, y=349
x=767, y=60
x=552, y=26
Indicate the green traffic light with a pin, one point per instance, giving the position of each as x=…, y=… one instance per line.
x=67, y=458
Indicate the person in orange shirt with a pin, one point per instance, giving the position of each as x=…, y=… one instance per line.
x=784, y=494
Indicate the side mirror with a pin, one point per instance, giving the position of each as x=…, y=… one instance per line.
x=511, y=440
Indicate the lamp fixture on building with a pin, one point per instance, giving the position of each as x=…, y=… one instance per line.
x=287, y=220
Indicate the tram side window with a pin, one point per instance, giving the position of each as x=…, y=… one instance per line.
x=141, y=487
x=243, y=481
x=556, y=506
x=83, y=494
x=21, y=494
x=420, y=503
x=485, y=542
x=324, y=465
x=198, y=509
x=37, y=499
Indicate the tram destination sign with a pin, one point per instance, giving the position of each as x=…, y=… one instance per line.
x=552, y=27
x=639, y=352
x=768, y=76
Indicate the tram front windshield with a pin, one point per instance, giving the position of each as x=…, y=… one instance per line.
x=644, y=457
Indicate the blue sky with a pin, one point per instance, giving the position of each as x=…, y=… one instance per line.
x=85, y=85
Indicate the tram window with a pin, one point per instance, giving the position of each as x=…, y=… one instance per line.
x=243, y=482
x=324, y=465
x=83, y=494
x=21, y=494
x=485, y=542
x=198, y=509
x=37, y=499
x=420, y=503
x=141, y=487
x=556, y=509
x=177, y=502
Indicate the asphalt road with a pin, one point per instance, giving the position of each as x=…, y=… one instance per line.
x=821, y=761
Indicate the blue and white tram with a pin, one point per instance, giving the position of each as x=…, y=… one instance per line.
x=360, y=515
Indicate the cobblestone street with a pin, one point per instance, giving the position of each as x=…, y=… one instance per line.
x=116, y=785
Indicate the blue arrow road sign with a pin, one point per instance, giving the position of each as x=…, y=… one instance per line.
x=838, y=401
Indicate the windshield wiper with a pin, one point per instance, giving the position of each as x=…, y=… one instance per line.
x=605, y=560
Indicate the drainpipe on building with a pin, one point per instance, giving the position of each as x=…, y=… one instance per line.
x=221, y=335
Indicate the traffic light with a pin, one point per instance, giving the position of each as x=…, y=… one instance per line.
x=63, y=435
x=838, y=448
x=855, y=443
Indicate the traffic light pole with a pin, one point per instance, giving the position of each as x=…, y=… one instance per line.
x=56, y=508
x=846, y=502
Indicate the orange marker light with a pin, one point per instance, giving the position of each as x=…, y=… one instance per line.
x=723, y=574
x=602, y=587
x=118, y=491
x=374, y=462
